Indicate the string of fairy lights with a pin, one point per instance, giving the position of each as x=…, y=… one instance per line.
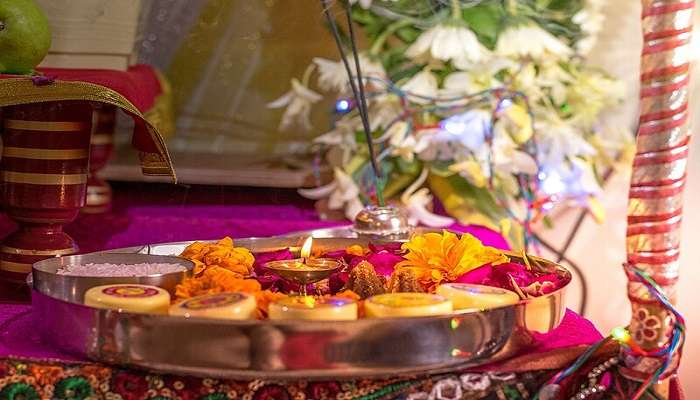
x=452, y=108
x=666, y=353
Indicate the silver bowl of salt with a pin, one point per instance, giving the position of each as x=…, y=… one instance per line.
x=71, y=276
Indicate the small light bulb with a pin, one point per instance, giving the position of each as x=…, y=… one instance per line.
x=342, y=106
x=620, y=334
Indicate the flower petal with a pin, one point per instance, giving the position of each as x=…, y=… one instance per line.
x=318, y=193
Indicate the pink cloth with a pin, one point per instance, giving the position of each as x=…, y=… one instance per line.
x=152, y=213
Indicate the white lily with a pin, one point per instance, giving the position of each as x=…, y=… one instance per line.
x=575, y=178
x=298, y=102
x=501, y=157
x=469, y=129
x=529, y=40
x=342, y=193
x=334, y=76
x=342, y=134
x=401, y=141
x=590, y=93
x=384, y=109
x=421, y=87
x=416, y=201
x=447, y=42
x=478, y=77
x=559, y=140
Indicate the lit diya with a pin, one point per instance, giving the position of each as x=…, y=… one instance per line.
x=306, y=269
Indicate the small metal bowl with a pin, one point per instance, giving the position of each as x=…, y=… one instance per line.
x=382, y=223
x=73, y=288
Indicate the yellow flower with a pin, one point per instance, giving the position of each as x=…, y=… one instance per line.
x=436, y=257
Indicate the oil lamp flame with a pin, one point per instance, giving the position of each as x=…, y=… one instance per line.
x=306, y=248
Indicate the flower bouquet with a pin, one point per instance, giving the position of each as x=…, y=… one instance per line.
x=487, y=105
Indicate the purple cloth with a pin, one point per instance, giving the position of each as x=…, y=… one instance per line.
x=151, y=213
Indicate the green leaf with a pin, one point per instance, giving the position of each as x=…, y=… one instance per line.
x=441, y=168
x=485, y=20
x=481, y=199
x=408, y=167
x=408, y=34
x=413, y=69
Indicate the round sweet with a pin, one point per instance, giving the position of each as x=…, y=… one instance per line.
x=406, y=305
x=129, y=298
x=312, y=308
x=468, y=296
x=230, y=305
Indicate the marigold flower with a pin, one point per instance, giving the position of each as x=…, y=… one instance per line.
x=439, y=257
x=220, y=254
x=215, y=280
x=264, y=298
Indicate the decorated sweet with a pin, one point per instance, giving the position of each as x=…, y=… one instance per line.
x=406, y=305
x=468, y=296
x=129, y=297
x=229, y=305
x=364, y=281
x=314, y=308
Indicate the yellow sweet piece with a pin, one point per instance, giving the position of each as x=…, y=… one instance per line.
x=468, y=296
x=229, y=305
x=314, y=308
x=129, y=298
x=406, y=305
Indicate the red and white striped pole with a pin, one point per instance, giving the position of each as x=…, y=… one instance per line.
x=658, y=175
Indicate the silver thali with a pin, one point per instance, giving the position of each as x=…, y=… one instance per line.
x=290, y=349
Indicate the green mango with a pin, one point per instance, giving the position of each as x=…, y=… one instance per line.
x=25, y=36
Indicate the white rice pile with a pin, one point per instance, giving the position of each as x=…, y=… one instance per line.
x=120, y=270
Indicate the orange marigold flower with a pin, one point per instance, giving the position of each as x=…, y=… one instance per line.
x=264, y=298
x=215, y=280
x=435, y=257
x=220, y=254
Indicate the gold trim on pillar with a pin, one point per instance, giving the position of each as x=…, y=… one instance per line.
x=15, y=267
x=43, y=179
x=45, y=154
x=30, y=252
x=46, y=126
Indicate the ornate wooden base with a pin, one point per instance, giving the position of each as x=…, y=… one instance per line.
x=99, y=193
x=44, y=175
